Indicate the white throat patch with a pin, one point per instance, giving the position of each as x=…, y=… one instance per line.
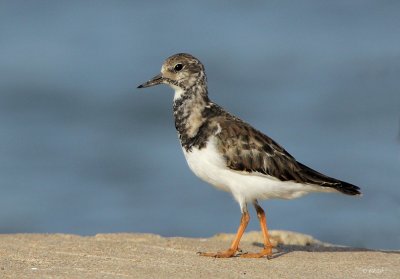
x=178, y=92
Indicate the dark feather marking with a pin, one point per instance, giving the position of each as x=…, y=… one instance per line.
x=267, y=148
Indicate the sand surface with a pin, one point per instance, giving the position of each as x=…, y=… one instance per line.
x=153, y=256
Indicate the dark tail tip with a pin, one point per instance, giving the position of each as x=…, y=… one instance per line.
x=348, y=189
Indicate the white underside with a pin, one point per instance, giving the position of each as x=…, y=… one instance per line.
x=209, y=165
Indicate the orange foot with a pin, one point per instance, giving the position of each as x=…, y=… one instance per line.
x=224, y=254
x=267, y=251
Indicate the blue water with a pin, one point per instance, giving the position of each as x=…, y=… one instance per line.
x=83, y=151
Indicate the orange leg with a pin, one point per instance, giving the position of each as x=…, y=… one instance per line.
x=267, y=251
x=235, y=243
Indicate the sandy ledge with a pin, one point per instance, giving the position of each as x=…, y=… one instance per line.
x=153, y=256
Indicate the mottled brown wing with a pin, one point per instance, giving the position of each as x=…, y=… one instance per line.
x=246, y=149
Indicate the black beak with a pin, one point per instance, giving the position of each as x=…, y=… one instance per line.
x=158, y=79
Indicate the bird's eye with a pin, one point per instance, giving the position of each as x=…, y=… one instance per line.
x=178, y=67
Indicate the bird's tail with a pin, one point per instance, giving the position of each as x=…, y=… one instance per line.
x=314, y=177
x=347, y=188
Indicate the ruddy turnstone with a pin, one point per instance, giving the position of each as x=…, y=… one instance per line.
x=233, y=156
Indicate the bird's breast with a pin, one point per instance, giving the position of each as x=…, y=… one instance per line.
x=207, y=163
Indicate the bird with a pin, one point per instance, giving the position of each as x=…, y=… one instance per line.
x=231, y=155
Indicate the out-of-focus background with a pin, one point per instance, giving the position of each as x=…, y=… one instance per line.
x=83, y=151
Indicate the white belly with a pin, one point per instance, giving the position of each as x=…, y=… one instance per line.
x=209, y=165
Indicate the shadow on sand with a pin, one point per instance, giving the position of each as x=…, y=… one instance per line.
x=282, y=249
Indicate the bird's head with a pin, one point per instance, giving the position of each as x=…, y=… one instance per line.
x=180, y=71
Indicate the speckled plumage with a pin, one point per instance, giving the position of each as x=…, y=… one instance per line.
x=243, y=147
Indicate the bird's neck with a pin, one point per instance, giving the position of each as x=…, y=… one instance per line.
x=189, y=107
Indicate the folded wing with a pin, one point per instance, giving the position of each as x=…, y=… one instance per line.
x=249, y=150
